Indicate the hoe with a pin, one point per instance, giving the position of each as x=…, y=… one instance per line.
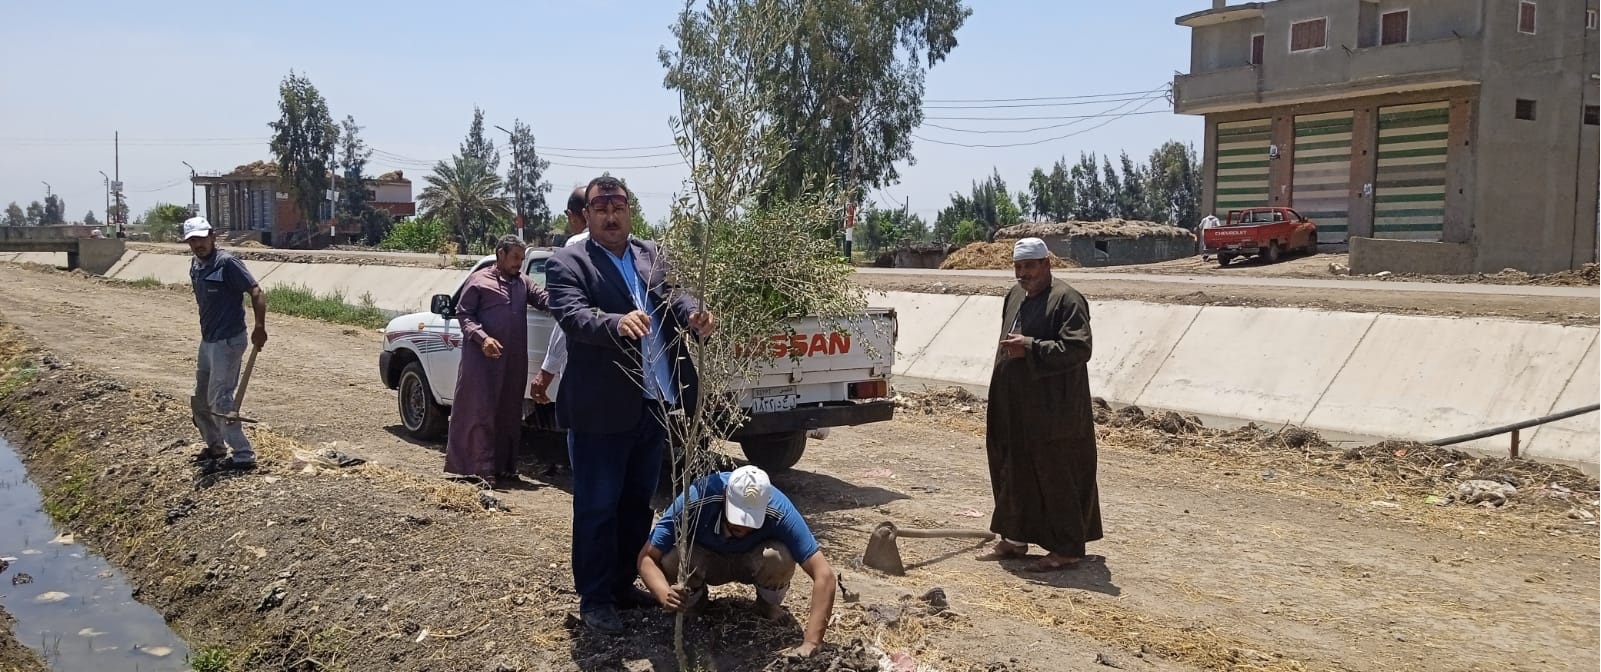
x=239, y=398
x=884, y=555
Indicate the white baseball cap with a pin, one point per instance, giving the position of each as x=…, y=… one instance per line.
x=196, y=227
x=745, y=500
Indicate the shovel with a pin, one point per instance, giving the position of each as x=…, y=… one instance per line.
x=239, y=398
x=884, y=555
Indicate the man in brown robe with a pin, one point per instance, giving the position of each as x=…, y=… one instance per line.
x=1040, y=433
x=486, y=415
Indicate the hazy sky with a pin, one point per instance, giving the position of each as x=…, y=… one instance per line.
x=197, y=82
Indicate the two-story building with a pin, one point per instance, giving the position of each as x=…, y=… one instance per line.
x=1436, y=136
x=248, y=201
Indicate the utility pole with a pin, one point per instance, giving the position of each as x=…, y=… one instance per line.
x=46, y=188
x=116, y=181
x=194, y=208
x=518, y=180
x=108, y=195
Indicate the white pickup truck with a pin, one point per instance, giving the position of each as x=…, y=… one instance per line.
x=823, y=378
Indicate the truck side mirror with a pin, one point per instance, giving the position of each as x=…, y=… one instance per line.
x=441, y=305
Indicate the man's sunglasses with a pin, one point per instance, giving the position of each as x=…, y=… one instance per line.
x=608, y=201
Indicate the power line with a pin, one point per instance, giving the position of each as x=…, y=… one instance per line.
x=1019, y=105
x=1109, y=120
x=1036, y=129
x=1017, y=100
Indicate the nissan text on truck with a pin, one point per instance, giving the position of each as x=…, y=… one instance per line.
x=820, y=377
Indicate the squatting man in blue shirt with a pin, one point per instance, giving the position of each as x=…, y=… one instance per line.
x=745, y=531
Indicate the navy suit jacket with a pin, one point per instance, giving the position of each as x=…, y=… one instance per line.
x=600, y=389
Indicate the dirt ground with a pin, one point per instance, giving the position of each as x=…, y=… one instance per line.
x=1223, y=551
x=14, y=657
x=1561, y=310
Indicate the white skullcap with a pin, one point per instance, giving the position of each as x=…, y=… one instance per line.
x=1030, y=248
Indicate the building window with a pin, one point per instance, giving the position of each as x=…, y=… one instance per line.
x=1525, y=109
x=1309, y=35
x=1590, y=22
x=1393, y=27
x=1526, y=11
x=1258, y=44
x=1592, y=115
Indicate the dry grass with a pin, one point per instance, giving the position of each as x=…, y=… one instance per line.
x=1391, y=471
x=1106, y=620
x=991, y=256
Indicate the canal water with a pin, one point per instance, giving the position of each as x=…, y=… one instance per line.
x=78, y=611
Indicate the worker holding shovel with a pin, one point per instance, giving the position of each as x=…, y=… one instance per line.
x=221, y=282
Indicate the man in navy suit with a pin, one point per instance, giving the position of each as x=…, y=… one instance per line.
x=627, y=367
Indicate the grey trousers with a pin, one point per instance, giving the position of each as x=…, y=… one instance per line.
x=216, y=377
x=769, y=567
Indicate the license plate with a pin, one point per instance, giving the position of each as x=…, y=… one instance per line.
x=774, y=404
x=781, y=391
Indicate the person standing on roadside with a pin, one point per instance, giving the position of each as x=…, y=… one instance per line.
x=221, y=282
x=556, y=351
x=486, y=415
x=629, y=369
x=1207, y=222
x=1040, y=431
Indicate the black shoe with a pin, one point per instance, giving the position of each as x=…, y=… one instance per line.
x=602, y=619
x=241, y=466
x=634, y=598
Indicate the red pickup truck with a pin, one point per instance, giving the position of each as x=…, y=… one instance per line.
x=1267, y=232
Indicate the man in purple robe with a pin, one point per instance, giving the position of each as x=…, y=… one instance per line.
x=487, y=413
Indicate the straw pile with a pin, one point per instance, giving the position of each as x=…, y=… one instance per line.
x=991, y=256
x=1111, y=228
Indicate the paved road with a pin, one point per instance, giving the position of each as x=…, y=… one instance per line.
x=1209, y=279
x=1243, y=281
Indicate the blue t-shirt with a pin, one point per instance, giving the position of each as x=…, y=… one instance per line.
x=220, y=285
x=705, y=496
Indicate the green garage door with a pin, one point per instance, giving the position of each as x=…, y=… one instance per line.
x=1242, y=180
x=1409, y=191
x=1323, y=172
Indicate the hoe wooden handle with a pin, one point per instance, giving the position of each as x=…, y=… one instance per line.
x=956, y=533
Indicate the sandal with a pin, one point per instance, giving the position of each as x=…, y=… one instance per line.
x=1012, y=551
x=1051, y=563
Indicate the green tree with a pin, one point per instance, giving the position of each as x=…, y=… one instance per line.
x=35, y=214
x=967, y=231
x=1091, y=201
x=755, y=259
x=526, y=176
x=882, y=229
x=1132, y=201
x=1173, y=187
x=162, y=220
x=355, y=200
x=303, y=142
x=467, y=194
x=89, y=219
x=417, y=235
x=479, y=146
x=841, y=81
x=15, y=216
x=55, y=211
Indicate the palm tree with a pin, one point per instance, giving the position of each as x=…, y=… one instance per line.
x=466, y=193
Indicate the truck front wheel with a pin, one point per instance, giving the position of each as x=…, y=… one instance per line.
x=422, y=417
x=774, y=452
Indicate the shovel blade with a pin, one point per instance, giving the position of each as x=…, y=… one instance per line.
x=882, y=553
